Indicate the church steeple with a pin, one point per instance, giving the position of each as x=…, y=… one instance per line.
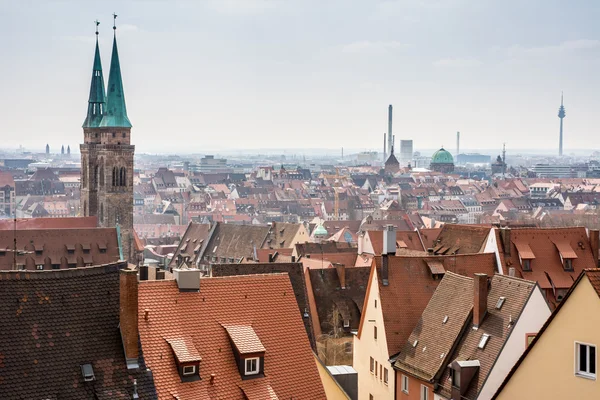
x=97, y=100
x=116, y=112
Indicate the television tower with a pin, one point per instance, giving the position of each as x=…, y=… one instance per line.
x=561, y=115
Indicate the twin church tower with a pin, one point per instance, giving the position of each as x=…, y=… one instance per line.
x=107, y=153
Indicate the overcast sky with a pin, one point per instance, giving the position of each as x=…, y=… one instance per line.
x=209, y=75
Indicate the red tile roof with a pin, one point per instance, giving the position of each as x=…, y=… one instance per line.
x=49, y=223
x=538, y=244
x=244, y=338
x=265, y=302
x=184, y=349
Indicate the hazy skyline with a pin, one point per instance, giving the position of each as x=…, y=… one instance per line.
x=283, y=74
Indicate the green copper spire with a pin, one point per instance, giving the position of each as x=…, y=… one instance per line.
x=116, y=112
x=97, y=100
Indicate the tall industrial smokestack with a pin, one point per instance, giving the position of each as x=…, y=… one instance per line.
x=457, y=145
x=390, y=140
x=384, y=149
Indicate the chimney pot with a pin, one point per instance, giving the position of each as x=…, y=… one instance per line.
x=146, y=312
x=480, y=287
x=389, y=240
x=595, y=244
x=212, y=379
x=188, y=280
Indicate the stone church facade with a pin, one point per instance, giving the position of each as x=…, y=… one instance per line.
x=107, y=154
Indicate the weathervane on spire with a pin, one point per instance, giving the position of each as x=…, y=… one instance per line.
x=115, y=21
x=97, y=23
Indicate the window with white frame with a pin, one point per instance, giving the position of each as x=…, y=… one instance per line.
x=346, y=323
x=405, y=384
x=585, y=364
x=252, y=365
x=424, y=392
x=189, y=370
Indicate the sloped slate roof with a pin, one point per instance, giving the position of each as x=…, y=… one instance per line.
x=55, y=321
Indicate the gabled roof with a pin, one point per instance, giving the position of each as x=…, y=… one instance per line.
x=593, y=275
x=265, y=302
x=328, y=294
x=57, y=321
x=62, y=248
x=411, y=285
x=235, y=241
x=495, y=324
x=538, y=245
x=465, y=239
x=427, y=347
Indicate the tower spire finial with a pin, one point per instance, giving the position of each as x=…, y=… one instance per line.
x=561, y=98
x=115, y=22
x=97, y=23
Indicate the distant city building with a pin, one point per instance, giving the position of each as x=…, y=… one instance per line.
x=442, y=161
x=47, y=149
x=68, y=150
x=391, y=164
x=473, y=158
x=62, y=149
x=212, y=164
x=406, y=152
x=498, y=166
x=552, y=171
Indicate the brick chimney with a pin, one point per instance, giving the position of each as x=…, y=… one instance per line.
x=594, y=244
x=505, y=236
x=128, y=315
x=341, y=272
x=480, y=288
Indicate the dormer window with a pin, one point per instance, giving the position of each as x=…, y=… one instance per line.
x=248, y=350
x=187, y=358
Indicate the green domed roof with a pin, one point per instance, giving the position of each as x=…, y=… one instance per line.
x=442, y=157
x=320, y=231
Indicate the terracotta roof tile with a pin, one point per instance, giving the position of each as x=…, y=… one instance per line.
x=265, y=302
x=184, y=349
x=546, y=267
x=245, y=339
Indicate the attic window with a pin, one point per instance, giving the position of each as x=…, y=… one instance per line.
x=416, y=342
x=252, y=366
x=445, y=319
x=346, y=323
x=87, y=372
x=500, y=303
x=484, y=339
x=189, y=370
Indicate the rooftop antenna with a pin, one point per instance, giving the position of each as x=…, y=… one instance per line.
x=115, y=22
x=97, y=23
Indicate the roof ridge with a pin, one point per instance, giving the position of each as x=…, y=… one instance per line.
x=514, y=278
x=62, y=273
